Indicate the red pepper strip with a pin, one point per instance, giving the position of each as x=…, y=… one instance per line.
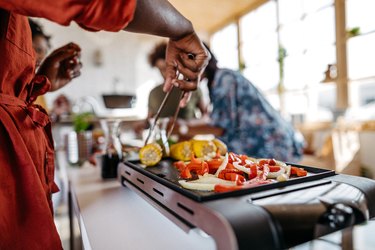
x=232, y=157
x=204, y=169
x=180, y=165
x=213, y=165
x=262, y=162
x=185, y=173
x=199, y=168
x=219, y=188
x=274, y=168
x=270, y=162
x=239, y=179
x=225, y=171
x=230, y=166
x=253, y=171
x=298, y=171
x=194, y=160
x=243, y=159
x=262, y=175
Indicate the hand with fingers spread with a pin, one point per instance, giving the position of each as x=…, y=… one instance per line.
x=62, y=65
x=186, y=58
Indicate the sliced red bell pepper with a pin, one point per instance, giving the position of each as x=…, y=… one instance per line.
x=253, y=171
x=298, y=171
x=214, y=164
x=274, y=168
x=185, y=173
x=230, y=166
x=180, y=165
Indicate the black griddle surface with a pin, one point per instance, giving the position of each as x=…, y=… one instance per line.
x=165, y=173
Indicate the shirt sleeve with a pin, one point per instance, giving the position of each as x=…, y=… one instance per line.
x=109, y=15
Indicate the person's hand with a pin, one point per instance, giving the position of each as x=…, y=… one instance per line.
x=186, y=59
x=62, y=65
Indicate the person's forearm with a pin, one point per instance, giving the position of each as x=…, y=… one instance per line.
x=159, y=17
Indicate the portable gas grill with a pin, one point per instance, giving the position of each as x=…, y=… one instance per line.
x=272, y=216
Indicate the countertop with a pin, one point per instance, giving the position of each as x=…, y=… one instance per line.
x=111, y=216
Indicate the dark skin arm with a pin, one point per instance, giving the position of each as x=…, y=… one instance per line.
x=159, y=17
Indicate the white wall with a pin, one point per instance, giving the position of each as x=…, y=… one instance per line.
x=124, y=57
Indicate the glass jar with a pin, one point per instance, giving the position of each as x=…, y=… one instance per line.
x=112, y=153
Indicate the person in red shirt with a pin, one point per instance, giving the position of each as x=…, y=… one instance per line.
x=26, y=146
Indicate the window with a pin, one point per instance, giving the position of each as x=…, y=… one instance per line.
x=361, y=51
x=306, y=30
x=260, y=48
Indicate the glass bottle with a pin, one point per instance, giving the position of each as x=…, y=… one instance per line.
x=112, y=151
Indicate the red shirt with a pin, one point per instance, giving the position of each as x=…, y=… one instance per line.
x=26, y=146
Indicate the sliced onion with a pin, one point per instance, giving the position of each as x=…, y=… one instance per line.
x=212, y=179
x=241, y=168
x=282, y=177
x=222, y=166
x=288, y=169
x=197, y=186
x=251, y=161
x=274, y=175
x=278, y=163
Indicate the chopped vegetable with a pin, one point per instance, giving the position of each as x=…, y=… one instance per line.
x=181, y=151
x=298, y=171
x=150, y=154
x=223, y=165
x=204, y=148
x=221, y=147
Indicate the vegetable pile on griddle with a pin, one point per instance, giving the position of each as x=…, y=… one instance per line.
x=207, y=166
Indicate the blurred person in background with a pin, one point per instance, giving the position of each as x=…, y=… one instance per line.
x=26, y=148
x=195, y=107
x=243, y=119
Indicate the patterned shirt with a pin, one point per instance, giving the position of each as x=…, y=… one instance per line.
x=251, y=125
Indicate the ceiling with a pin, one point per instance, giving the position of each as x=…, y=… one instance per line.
x=210, y=15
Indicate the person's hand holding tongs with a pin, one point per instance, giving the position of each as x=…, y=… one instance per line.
x=186, y=59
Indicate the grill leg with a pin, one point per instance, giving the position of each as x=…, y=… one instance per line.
x=347, y=238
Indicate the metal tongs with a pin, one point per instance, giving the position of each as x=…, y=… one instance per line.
x=157, y=116
x=162, y=105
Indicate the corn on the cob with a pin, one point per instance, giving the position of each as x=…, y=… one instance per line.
x=150, y=154
x=181, y=151
x=220, y=146
x=204, y=148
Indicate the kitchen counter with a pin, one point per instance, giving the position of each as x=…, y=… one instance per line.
x=110, y=216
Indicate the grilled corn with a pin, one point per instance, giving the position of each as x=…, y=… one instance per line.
x=150, y=154
x=220, y=145
x=181, y=151
x=204, y=148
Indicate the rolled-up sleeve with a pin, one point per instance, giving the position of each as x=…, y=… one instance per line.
x=109, y=15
